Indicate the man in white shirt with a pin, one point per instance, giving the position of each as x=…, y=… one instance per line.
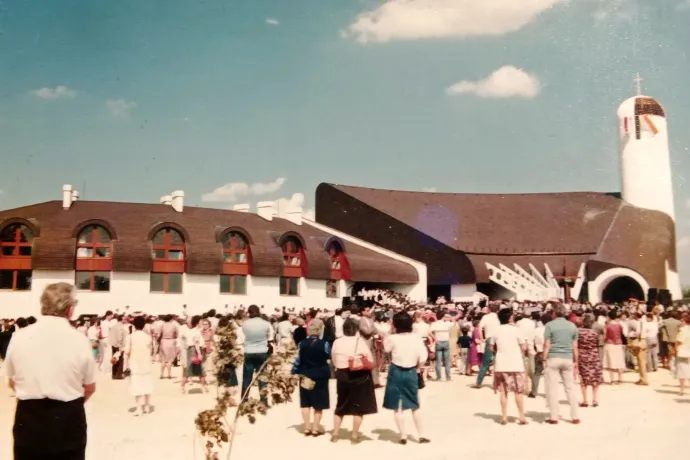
x=650, y=332
x=488, y=326
x=51, y=368
x=440, y=331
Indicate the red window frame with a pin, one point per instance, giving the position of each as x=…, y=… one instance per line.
x=235, y=244
x=16, y=262
x=94, y=263
x=292, y=249
x=165, y=265
x=340, y=267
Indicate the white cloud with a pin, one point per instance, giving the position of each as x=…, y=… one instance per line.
x=272, y=21
x=508, y=81
x=59, y=92
x=429, y=189
x=120, y=107
x=418, y=19
x=233, y=191
x=287, y=204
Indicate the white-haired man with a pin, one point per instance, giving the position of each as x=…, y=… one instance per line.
x=52, y=371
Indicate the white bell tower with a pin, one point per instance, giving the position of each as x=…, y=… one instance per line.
x=646, y=162
x=645, y=158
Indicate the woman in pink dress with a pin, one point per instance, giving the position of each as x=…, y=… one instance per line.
x=475, y=358
x=168, y=345
x=614, y=351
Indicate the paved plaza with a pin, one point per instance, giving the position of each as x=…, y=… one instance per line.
x=462, y=422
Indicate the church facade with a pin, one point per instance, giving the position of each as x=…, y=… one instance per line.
x=583, y=245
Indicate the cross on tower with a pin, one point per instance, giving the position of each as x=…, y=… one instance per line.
x=638, y=83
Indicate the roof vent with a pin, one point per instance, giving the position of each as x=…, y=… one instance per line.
x=178, y=200
x=266, y=209
x=66, y=196
x=75, y=195
x=166, y=200
x=241, y=207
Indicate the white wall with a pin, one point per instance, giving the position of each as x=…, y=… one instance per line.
x=416, y=292
x=199, y=292
x=461, y=292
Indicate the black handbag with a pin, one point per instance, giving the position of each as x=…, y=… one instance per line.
x=420, y=381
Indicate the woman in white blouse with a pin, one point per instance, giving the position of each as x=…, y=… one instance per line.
x=408, y=354
x=355, y=388
x=138, y=351
x=683, y=353
x=509, y=369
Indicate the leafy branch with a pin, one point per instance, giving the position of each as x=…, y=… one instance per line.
x=274, y=375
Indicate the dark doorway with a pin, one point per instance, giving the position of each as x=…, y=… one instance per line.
x=621, y=289
x=433, y=292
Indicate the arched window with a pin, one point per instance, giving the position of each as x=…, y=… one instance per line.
x=16, y=243
x=340, y=268
x=293, y=266
x=94, y=259
x=236, y=263
x=168, y=251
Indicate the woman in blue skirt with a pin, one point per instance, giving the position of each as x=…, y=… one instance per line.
x=408, y=354
x=312, y=365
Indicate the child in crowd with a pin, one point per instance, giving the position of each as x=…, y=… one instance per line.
x=464, y=342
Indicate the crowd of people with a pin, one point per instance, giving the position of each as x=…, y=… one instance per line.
x=382, y=333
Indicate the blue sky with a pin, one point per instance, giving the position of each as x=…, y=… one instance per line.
x=136, y=98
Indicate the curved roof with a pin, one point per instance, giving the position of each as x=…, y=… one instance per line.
x=55, y=248
x=456, y=234
x=540, y=223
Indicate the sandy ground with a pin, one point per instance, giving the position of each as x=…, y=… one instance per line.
x=634, y=422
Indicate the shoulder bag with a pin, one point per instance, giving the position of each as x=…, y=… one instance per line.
x=359, y=362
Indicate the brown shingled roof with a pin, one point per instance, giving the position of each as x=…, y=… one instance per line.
x=133, y=223
x=562, y=230
x=545, y=223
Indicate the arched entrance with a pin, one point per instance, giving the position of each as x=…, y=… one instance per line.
x=617, y=284
x=621, y=289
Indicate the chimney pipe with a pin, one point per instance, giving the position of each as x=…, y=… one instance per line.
x=178, y=200
x=66, y=196
x=241, y=207
x=266, y=209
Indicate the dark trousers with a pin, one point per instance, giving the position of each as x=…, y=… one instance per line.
x=45, y=429
x=486, y=361
x=118, y=367
x=252, y=364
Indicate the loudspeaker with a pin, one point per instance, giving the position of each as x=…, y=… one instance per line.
x=347, y=301
x=359, y=301
x=652, y=296
x=665, y=298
